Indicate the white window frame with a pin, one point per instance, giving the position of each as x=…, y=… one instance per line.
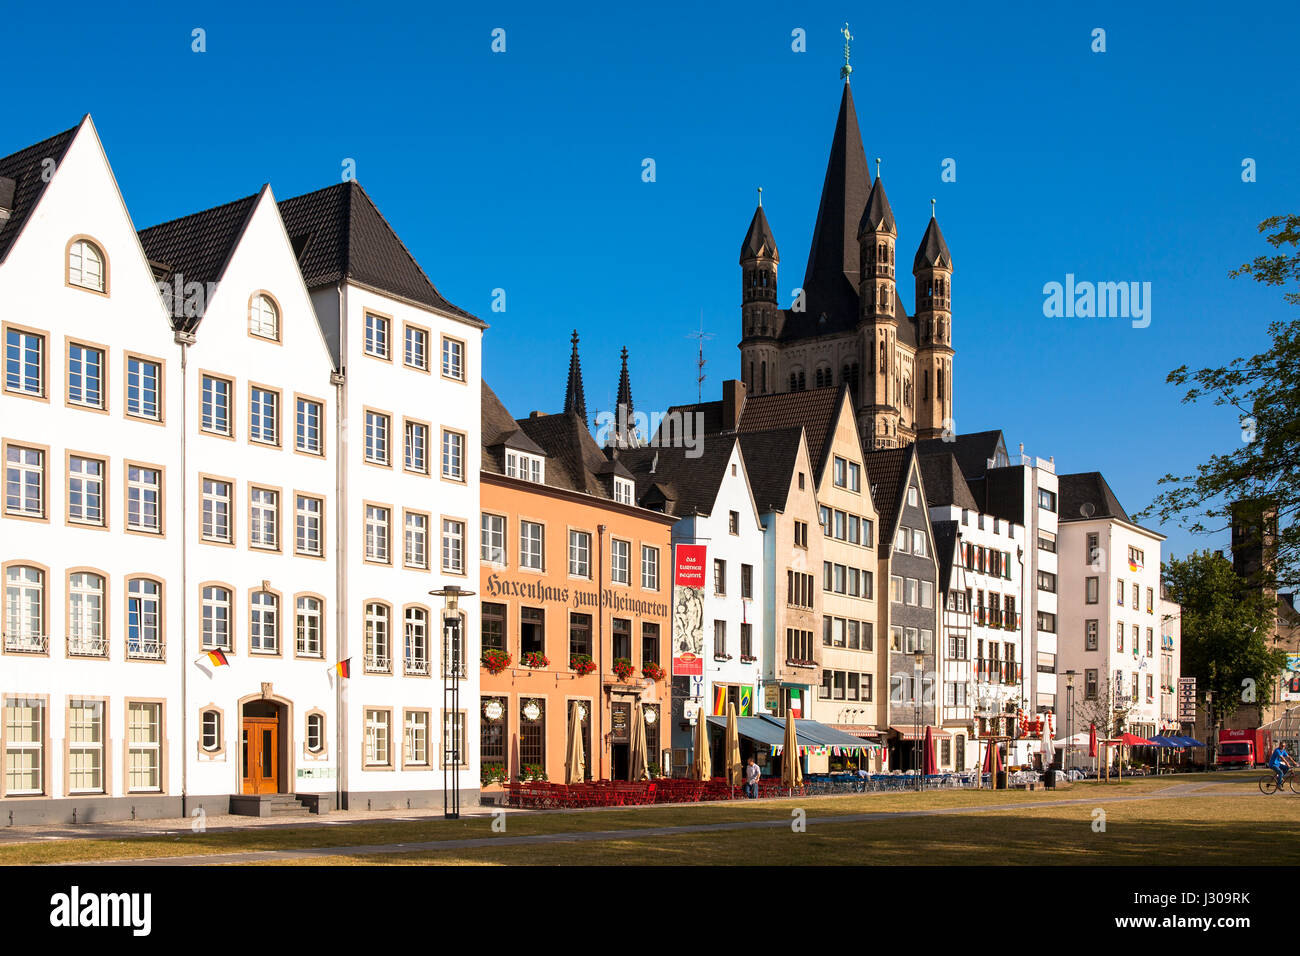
x=144, y=499
x=378, y=340
x=86, y=601
x=264, y=623
x=378, y=534
x=579, y=553
x=92, y=749
x=309, y=635
x=378, y=429
x=453, y=546
x=649, y=568
x=416, y=447
x=24, y=481
x=264, y=318
x=620, y=561
x=307, y=526
x=215, y=400
x=217, y=609
x=492, y=548
x=215, y=524
x=87, y=486
x=144, y=746
x=309, y=418
x=415, y=542
x=88, y=390
x=263, y=415
x=20, y=378
x=147, y=388
x=453, y=455
x=263, y=518
x=532, y=547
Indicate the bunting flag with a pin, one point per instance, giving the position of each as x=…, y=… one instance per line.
x=344, y=668
x=217, y=658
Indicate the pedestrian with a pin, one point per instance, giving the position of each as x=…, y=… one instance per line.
x=751, y=779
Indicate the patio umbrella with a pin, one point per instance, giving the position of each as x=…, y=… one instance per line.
x=574, y=762
x=1048, y=755
x=791, y=772
x=1132, y=740
x=702, y=768
x=1092, y=740
x=733, y=746
x=927, y=755
x=636, y=762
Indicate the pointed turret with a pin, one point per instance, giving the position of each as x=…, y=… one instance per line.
x=625, y=386
x=624, y=434
x=932, y=268
x=877, y=216
x=761, y=319
x=879, y=317
x=833, y=255
x=575, y=402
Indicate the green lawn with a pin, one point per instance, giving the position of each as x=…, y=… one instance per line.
x=1195, y=829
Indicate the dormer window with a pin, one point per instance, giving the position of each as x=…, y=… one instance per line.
x=263, y=317
x=87, y=266
x=525, y=466
x=623, y=491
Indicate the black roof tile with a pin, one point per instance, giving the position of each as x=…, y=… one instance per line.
x=26, y=168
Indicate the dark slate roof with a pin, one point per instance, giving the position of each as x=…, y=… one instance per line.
x=1088, y=488
x=667, y=479
x=932, y=251
x=833, y=254
x=817, y=410
x=759, y=241
x=770, y=459
x=945, y=546
x=574, y=460
x=887, y=471
x=972, y=450
x=877, y=216
x=575, y=399
x=196, y=248
x=25, y=168
x=944, y=483
x=501, y=431
x=338, y=233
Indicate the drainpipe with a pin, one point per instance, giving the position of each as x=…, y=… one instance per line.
x=184, y=340
x=600, y=641
x=340, y=552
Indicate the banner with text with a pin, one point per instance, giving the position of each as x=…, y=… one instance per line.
x=688, y=610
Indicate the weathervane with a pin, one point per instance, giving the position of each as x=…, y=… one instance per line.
x=845, y=70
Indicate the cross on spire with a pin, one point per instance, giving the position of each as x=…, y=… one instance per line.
x=846, y=69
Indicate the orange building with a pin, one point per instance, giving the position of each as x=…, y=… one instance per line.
x=575, y=595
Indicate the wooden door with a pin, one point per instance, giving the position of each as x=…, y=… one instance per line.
x=260, y=746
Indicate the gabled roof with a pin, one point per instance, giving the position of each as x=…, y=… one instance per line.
x=501, y=431
x=1087, y=495
x=945, y=549
x=877, y=216
x=887, y=471
x=972, y=450
x=196, y=248
x=26, y=169
x=770, y=458
x=339, y=234
x=682, y=485
x=933, y=251
x=944, y=483
x=759, y=241
x=816, y=410
x=574, y=460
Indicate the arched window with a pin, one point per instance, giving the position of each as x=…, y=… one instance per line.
x=86, y=266
x=210, y=721
x=264, y=623
x=263, y=317
x=25, y=610
x=315, y=733
x=144, y=638
x=417, y=641
x=378, y=650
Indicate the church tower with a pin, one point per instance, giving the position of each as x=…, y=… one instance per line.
x=761, y=316
x=883, y=410
x=932, y=269
x=575, y=400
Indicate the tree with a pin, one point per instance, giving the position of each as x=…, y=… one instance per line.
x=1265, y=390
x=1226, y=626
x=1108, y=712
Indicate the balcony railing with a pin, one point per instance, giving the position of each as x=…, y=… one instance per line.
x=417, y=666
x=997, y=617
x=377, y=661
x=994, y=671
x=26, y=643
x=87, y=646
x=146, y=649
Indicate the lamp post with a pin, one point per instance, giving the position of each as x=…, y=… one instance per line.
x=1069, y=717
x=918, y=668
x=452, y=661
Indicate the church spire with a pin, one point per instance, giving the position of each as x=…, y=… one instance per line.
x=624, y=387
x=575, y=402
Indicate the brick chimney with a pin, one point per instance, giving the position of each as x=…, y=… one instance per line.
x=733, y=404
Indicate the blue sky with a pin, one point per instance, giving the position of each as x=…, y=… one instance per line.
x=522, y=171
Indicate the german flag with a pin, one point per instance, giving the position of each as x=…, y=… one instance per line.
x=344, y=668
x=217, y=658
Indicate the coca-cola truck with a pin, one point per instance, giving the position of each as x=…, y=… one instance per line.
x=1243, y=748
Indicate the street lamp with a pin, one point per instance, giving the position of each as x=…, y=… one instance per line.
x=1069, y=717
x=452, y=661
x=918, y=667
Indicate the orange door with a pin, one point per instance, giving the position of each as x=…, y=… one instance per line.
x=260, y=755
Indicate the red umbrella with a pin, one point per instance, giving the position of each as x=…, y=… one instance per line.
x=1092, y=740
x=1132, y=740
x=927, y=756
x=992, y=759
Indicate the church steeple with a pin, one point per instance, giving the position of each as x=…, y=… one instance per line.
x=833, y=255
x=575, y=402
x=624, y=386
x=932, y=268
x=625, y=433
x=761, y=319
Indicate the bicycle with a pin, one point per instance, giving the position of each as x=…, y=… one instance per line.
x=1269, y=785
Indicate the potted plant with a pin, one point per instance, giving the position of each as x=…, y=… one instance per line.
x=531, y=772
x=494, y=660
x=748, y=658
x=653, y=770
x=535, y=659
x=582, y=664
x=652, y=670
x=492, y=773
x=623, y=668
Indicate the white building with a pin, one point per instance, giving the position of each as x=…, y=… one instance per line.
x=91, y=532
x=213, y=499
x=1110, y=603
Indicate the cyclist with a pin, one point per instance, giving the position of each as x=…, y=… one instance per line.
x=1279, y=760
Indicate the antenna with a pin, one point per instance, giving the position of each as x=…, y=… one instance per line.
x=701, y=335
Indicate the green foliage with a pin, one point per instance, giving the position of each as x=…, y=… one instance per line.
x=1265, y=391
x=1226, y=625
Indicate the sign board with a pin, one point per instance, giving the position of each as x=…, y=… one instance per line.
x=690, y=710
x=1187, y=699
x=771, y=697
x=1291, y=678
x=689, y=565
x=688, y=631
x=620, y=721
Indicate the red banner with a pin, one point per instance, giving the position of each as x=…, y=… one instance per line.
x=690, y=565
